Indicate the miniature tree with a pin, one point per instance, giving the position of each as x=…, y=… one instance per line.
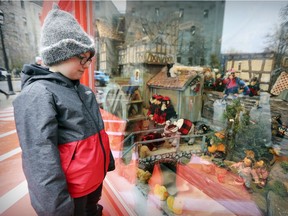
x=243, y=134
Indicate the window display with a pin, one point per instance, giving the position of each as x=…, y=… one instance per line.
x=194, y=130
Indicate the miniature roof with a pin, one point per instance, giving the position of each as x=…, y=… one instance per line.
x=180, y=82
x=106, y=31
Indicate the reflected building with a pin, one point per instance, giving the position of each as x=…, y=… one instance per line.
x=108, y=35
x=186, y=32
x=153, y=33
x=157, y=33
x=21, y=30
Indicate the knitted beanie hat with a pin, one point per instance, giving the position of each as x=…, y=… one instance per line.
x=62, y=38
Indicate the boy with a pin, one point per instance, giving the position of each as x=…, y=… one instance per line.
x=65, y=150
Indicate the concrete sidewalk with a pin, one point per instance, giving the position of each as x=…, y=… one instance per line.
x=14, y=197
x=4, y=103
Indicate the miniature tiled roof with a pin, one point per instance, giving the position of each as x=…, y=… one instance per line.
x=106, y=31
x=186, y=75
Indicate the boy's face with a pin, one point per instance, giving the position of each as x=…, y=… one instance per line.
x=74, y=67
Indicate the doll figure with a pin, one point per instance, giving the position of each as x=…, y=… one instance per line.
x=260, y=173
x=209, y=78
x=170, y=130
x=244, y=169
x=178, y=128
x=167, y=111
x=152, y=106
x=234, y=85
x=278, y=128
x=254, y=87
x=172, y=70
x=218, y=84
x=195, y=86
x=157, y=111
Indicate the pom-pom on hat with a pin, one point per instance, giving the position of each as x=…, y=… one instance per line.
x=62, y=38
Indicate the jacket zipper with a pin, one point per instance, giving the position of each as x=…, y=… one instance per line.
x=100, y=138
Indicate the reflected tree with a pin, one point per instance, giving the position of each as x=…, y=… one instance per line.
x=277, y=41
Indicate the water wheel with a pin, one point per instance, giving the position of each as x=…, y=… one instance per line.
x=115, y=100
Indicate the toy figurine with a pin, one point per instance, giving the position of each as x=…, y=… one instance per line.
x=260, y=173
x=170, y=130
x=161, y=109
x=172, y=70
x=215, y=145
x=202, y=129
x=177, y=128
x=157, y=111
x=234, y=85
x=134, y=83
x=143, y=175
x=151, y=136
x=218, y=84
x=167, y=111
x=152, y=106
x=278, y=128
x=244, y=170
x=254, y=87
x=209, y=78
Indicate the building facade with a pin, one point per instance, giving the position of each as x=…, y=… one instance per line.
x=21, y=32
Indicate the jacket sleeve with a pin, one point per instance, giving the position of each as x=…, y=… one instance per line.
x=36, y=123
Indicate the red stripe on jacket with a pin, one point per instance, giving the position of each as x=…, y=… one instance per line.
x=83, y=163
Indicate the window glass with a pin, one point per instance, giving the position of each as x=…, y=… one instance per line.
x=22, y=4
x=194, y=99
x=24, y=21
x=12, y=17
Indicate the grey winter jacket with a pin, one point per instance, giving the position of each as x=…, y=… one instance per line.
x=65, y=150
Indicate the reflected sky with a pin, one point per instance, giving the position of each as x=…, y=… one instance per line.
x=245, y=23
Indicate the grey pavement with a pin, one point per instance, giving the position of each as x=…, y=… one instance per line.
x=4, y=103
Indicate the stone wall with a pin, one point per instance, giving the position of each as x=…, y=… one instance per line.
x=276, y=106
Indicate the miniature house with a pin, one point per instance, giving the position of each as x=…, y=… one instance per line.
x=185, y=87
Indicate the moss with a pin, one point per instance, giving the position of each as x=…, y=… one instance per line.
x=284, y=166
x=279, y=188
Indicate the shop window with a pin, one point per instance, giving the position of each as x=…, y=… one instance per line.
x=239, y=66
x=191, y=45
x=157, y=11
x=22, y=4
x=133, y=10
x=12, y=15
x=202, y=61
x=285, y=62
x=206, y=13
x=15, y=35
x=97, y=5
x=27, y=38
x=174, y=54
x=190, y=60
x=193, y=30
x=181, y=12
x=24, y=21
